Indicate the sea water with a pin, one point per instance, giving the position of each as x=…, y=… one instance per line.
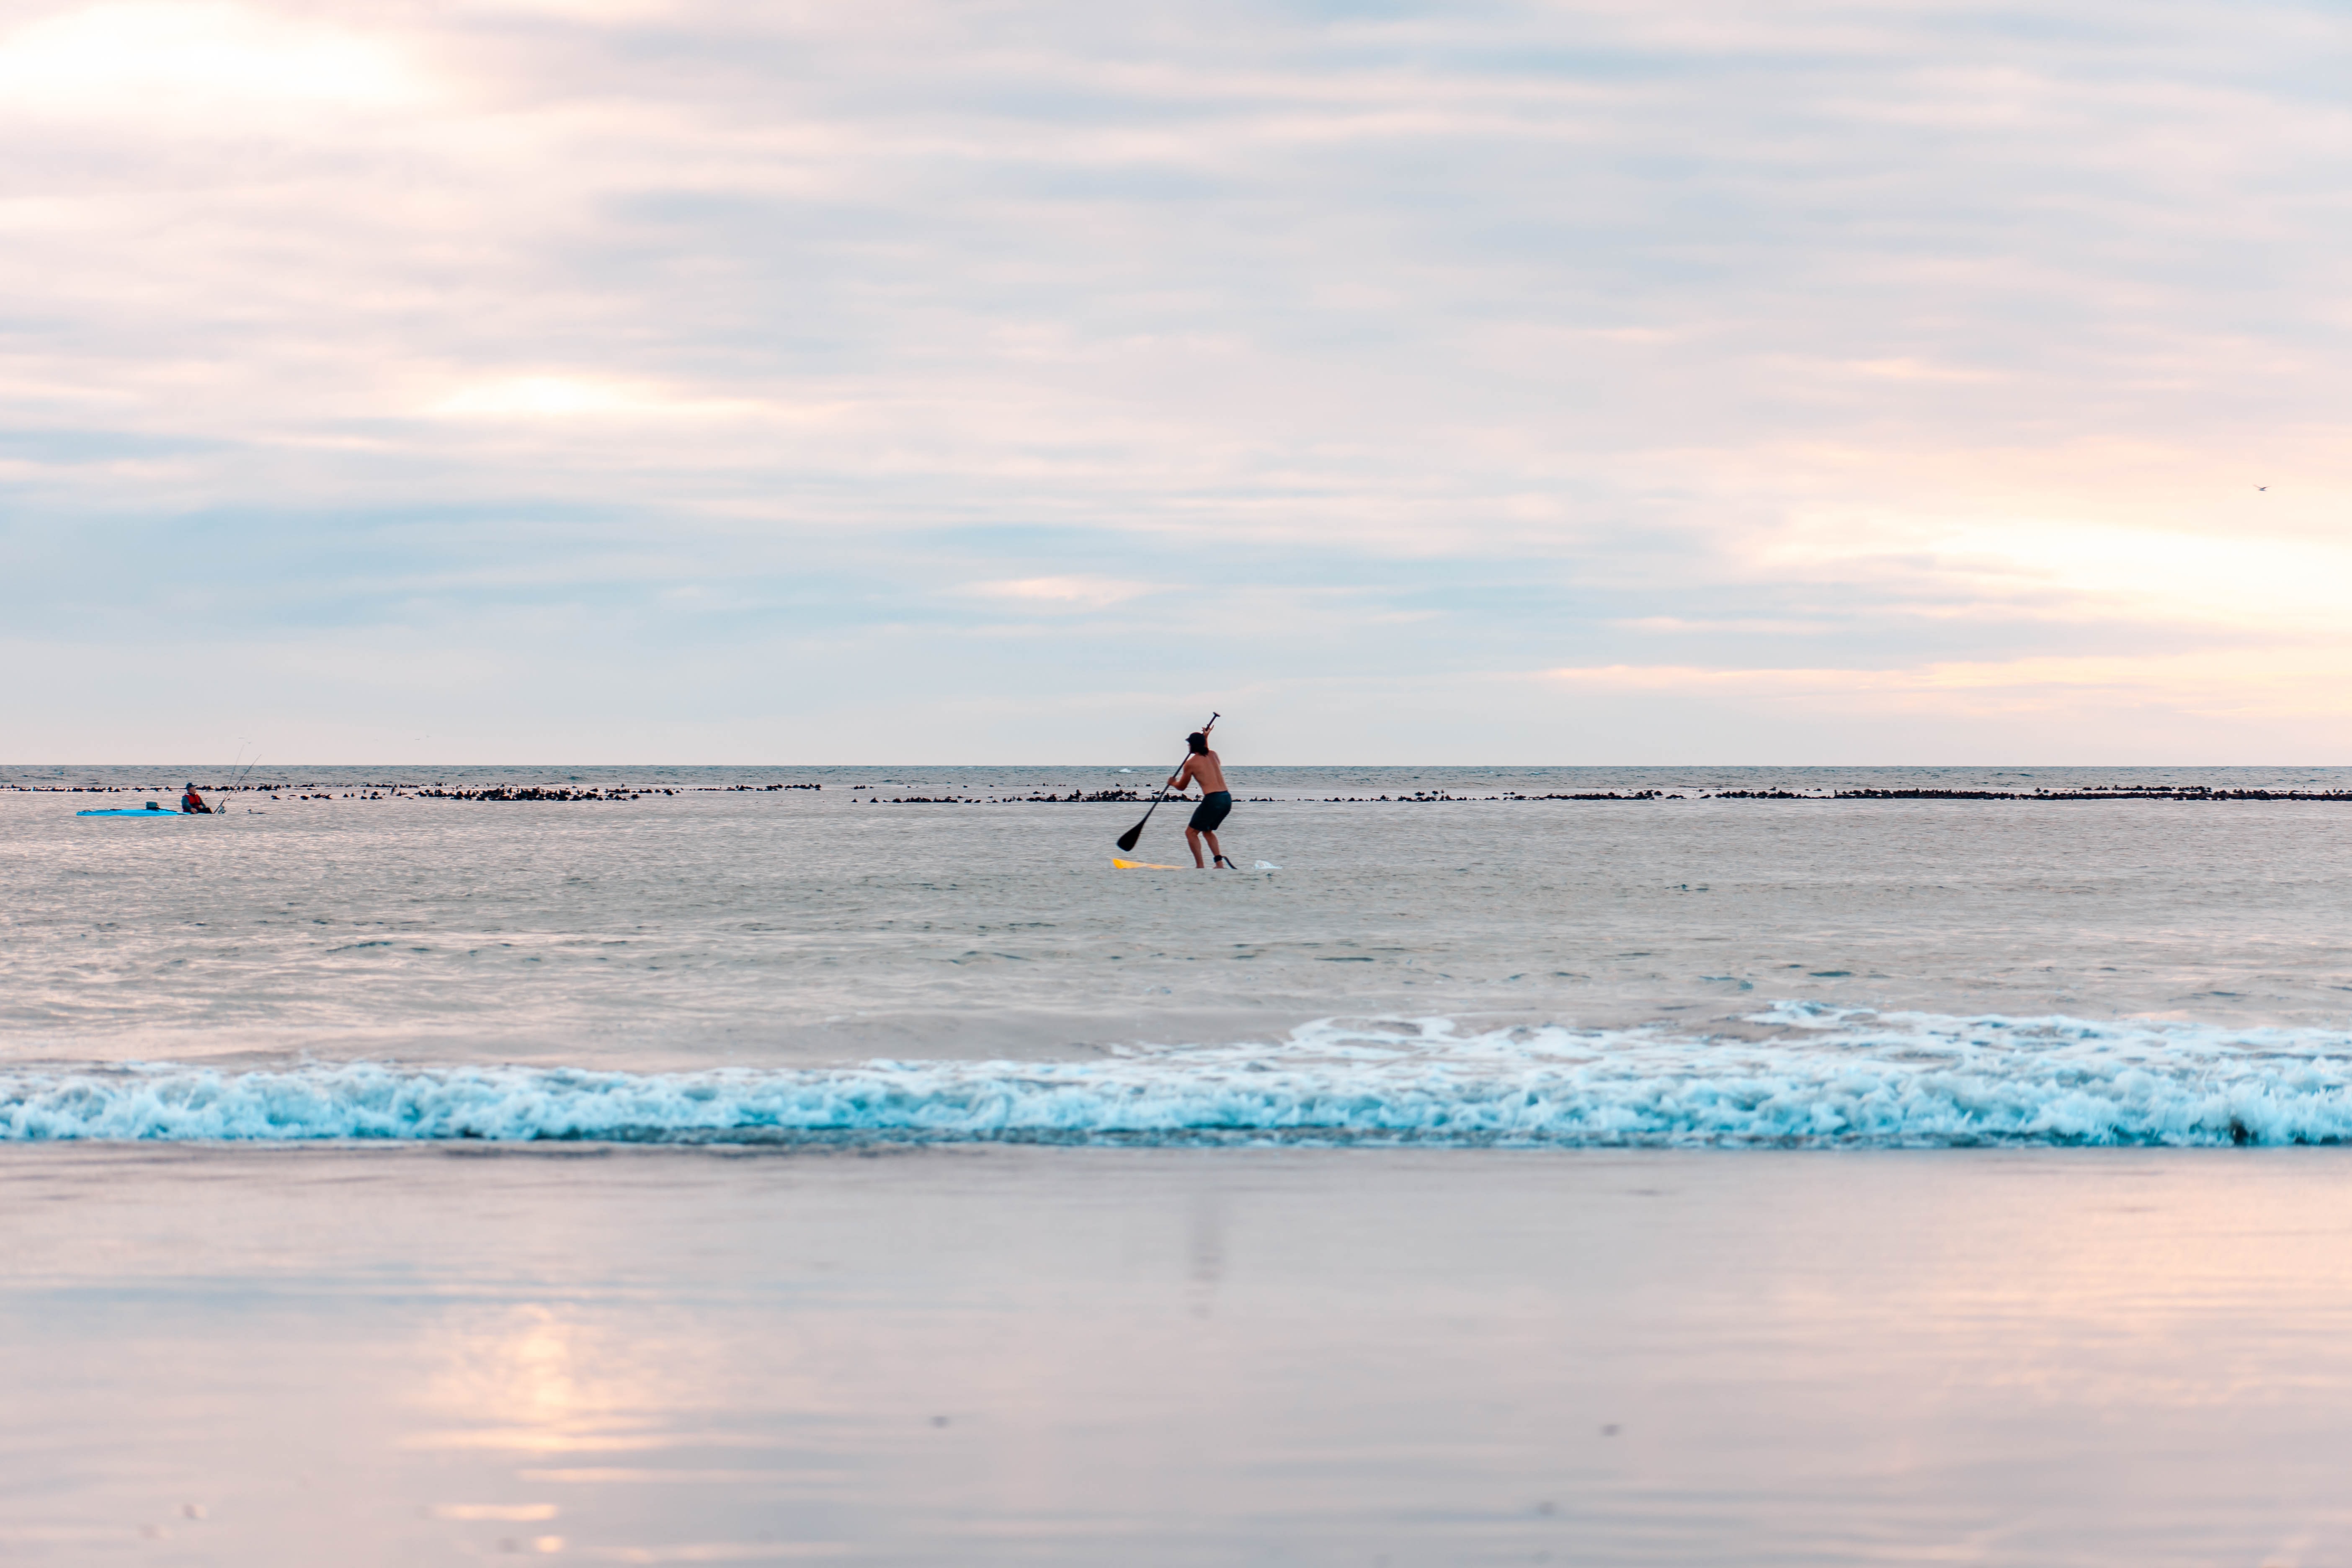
x=1657, y=1167
x=1558, y=957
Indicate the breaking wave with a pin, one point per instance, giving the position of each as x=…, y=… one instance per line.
x=1795, y=1075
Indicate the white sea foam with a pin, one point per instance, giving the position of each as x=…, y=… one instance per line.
x=1811, y=1076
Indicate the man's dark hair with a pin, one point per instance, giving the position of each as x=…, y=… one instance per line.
x=1199, y=743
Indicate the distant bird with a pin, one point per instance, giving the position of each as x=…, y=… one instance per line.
x=2262, y=487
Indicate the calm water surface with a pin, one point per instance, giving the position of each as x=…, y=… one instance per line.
x=938, y=917
x=704, y=1173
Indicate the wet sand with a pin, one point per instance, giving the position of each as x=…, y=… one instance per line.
x=415, y=1356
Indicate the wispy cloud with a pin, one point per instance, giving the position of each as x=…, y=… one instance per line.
x=1404, y=345
x=233, y=66
x=1076, y=593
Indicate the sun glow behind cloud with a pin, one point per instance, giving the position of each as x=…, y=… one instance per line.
x=158, y=60
x=1838, y=383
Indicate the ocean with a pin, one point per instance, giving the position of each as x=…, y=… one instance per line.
x=1879, y=957
x=1617, y=1166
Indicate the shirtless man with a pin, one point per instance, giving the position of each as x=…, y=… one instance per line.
x=1203, y=768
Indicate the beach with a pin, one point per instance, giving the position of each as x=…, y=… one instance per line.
x=371, y=1355
x=690, y=1028
x=1609, y=1166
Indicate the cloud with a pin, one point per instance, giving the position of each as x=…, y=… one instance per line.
x=1077, y=592
x=158, y=61
x=594, y=397
x=1422, y=343
x=2254, y=682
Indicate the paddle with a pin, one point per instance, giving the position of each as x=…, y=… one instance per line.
x=1127, y=840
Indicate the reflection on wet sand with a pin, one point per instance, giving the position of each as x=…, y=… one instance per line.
x=1086, y=1356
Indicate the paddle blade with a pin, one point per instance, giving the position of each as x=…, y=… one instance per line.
x=1127, y=840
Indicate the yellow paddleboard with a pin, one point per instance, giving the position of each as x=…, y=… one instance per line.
x=1141, y=865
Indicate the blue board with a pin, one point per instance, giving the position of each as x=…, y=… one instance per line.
x=120, y=813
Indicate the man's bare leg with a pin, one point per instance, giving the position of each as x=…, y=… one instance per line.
x=1215, y=849
x=1192, y=837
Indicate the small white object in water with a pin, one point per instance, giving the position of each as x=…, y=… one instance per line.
x=1126, y=769
x=1267, y=866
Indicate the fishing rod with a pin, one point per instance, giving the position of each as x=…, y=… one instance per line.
x=238, y=781
x=1127, y=840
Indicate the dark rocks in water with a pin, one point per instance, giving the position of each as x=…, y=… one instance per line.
x=527, y=791
x=2095, y=792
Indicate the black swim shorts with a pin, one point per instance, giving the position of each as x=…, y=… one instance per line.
x=1214, y=808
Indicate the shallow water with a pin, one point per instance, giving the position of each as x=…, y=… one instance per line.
x=727, y=960
x=1425, y=1358
x=653, y=1201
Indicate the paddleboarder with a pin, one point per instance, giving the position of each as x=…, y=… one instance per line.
x=1203, y=768
x=192, y=803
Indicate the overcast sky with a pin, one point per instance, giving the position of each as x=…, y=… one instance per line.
x=595, y=381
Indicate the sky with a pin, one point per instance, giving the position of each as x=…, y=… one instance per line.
x=1016, y=381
